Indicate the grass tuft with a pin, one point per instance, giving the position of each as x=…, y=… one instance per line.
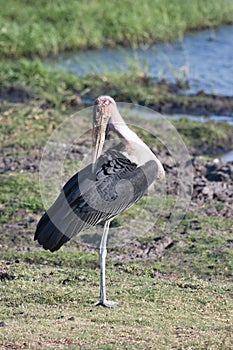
x=53, y=27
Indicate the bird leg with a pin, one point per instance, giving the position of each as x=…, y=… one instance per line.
x=102, y=256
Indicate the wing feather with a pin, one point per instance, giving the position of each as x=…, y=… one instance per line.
x=88, y=199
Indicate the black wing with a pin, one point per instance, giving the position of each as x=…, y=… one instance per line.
x=88, y=199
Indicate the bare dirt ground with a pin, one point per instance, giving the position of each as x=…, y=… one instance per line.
x=212, y=184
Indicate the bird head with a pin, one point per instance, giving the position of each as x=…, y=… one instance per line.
x=101, y=116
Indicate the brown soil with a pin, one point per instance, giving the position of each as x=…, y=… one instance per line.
x=16, y=94
x=200, y=104
x=213, y=184
x=213, y=180
x=169, y=101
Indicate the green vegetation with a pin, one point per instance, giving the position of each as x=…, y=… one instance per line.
x=43, y=81
x=49, y=304
x=19, y=192
x=165, y=298
x=55, y=94
x=197, y=135
x=180, y=298
x=56, y=26
x=57, y=87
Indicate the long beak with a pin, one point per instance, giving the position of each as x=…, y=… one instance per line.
x=98, y=136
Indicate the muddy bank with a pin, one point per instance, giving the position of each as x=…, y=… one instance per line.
x=167, y=98
x=15, y=94
x=212, y=185
x=212, y=196
x=19, y=163
x=170, y=98
x=167, y=101
x=200, y=104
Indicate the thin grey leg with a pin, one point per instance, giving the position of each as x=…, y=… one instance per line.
x=102, y=257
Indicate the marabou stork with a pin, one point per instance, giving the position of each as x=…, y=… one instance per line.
x=112, y=183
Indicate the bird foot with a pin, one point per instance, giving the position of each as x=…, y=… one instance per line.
x=106, y=303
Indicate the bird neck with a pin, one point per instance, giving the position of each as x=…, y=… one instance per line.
x=137, y=151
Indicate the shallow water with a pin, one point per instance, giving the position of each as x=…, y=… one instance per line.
x=228, y=157
x=202, y=118
x=205, y=58
x=147, y=113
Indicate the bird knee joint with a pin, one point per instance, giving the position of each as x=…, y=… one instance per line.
x=103, y=252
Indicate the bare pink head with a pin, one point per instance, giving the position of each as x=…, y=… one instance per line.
x=102, y=113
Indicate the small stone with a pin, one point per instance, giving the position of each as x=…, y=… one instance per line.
x=71, y=318
x=4, y=275
x=81, y=278
x=65, y=281
x=215, y=177
x=31, y=219
x=3, y=324
x=206, y=190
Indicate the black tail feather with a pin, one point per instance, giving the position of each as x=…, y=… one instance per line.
x=48, y=235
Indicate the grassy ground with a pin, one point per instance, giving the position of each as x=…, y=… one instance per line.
x=58, y=26
x=53, y=95
x=180, y=298
x=50, y=306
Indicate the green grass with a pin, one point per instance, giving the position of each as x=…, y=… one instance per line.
x=51, y=306
x=19, y=191
x=179, y=299
x=56, y=26
x=213, y=135
x=49, y=84
x=56, y=86
x=54, y=92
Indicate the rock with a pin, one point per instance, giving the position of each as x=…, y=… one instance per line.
x=207, y=191
x=212, y=182
x=71, y=318
x=66, y=280
x=215, y=177
x=10, y=163
x=4, y=275
x=15, y=94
